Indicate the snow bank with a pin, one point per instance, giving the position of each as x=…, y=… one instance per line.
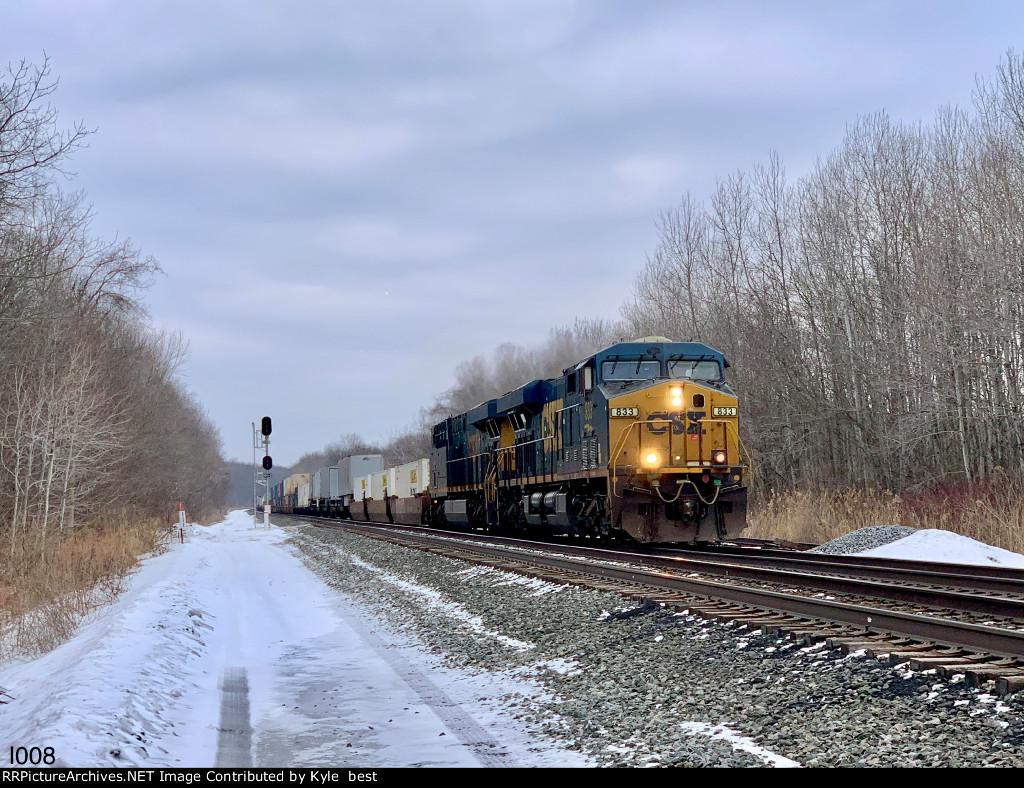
x=948, y=548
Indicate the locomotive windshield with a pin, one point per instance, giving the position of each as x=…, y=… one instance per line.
x=630, y=369
x=694, y=369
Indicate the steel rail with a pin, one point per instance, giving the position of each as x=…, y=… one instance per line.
x=789, y=575
x=981, y=637
x=905, y=564
x=974, y=577
x=962, y=576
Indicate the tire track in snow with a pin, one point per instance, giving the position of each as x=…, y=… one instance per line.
x=234, y=734
x=484, y=748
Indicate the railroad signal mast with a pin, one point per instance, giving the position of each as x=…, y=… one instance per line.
x=261, y=475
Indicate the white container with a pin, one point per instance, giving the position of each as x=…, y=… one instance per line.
x=378, y=485
x=361, y=488
x=412, y=478
x=352, y=468
x=324, y=484
x=303, y=500
x=382, y=484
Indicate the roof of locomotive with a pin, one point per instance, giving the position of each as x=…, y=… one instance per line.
x=655, y=347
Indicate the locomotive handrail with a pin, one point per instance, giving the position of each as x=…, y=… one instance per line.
x=516, y=446
x=618, y=450
x=730, y=424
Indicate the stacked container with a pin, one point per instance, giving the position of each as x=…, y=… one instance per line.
x=411, y=479
x=293, y=482
x=352, y=468
x=332, y=491
x=382, y=484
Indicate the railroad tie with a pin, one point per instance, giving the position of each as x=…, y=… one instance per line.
x=748, y=617
x=903, y=653
x=771, y=624
x=938, y=659
x=849, y=645
x=1008, y=684
x=977, y=675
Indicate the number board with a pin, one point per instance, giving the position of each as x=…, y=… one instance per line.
x=723, y=411
x=625, y=412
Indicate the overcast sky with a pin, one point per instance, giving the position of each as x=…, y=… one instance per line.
x=348, y=198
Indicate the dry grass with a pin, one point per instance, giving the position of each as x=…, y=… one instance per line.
x=818, y=516
x=991, y=511
x=43, y=596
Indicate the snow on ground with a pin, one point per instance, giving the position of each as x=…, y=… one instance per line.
x=499, y=577
x=946, y=547
x=149, y=680
x=738, y=742
x=443, y=605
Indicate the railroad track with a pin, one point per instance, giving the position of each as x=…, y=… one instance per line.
x=933, y=620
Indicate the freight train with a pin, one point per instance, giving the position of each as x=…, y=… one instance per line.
x=638, y=441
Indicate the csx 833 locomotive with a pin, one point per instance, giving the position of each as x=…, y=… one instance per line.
x=640, y=439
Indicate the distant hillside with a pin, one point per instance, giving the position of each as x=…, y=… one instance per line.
x=240, y=485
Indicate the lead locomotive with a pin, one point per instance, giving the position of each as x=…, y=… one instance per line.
x=640, y=439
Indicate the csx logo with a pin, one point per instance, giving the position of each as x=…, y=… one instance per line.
x=658, y=423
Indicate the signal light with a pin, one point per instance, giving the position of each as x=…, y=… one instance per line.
x=267, y=463
x=265, y=425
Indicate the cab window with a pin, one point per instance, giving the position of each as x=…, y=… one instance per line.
x=630, y=369
x=694, y=369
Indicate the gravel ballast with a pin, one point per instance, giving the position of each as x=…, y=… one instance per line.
x=864, y=539
x=644, y=685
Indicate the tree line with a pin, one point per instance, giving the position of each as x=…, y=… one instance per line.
x=476, y=380
x=873, y=309
x=95, y=418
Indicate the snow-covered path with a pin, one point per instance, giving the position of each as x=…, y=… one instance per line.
x=231, y=628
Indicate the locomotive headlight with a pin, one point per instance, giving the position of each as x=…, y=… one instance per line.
x=718, y=457
x=677, y=401
x=676, y=391
x=652, y=459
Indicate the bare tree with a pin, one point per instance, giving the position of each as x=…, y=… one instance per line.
x=32, y=148
x=874, y=308
x=94, y=418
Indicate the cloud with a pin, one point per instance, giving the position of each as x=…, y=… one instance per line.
x=236, y=129
x=647, y=181
x=361, y=195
